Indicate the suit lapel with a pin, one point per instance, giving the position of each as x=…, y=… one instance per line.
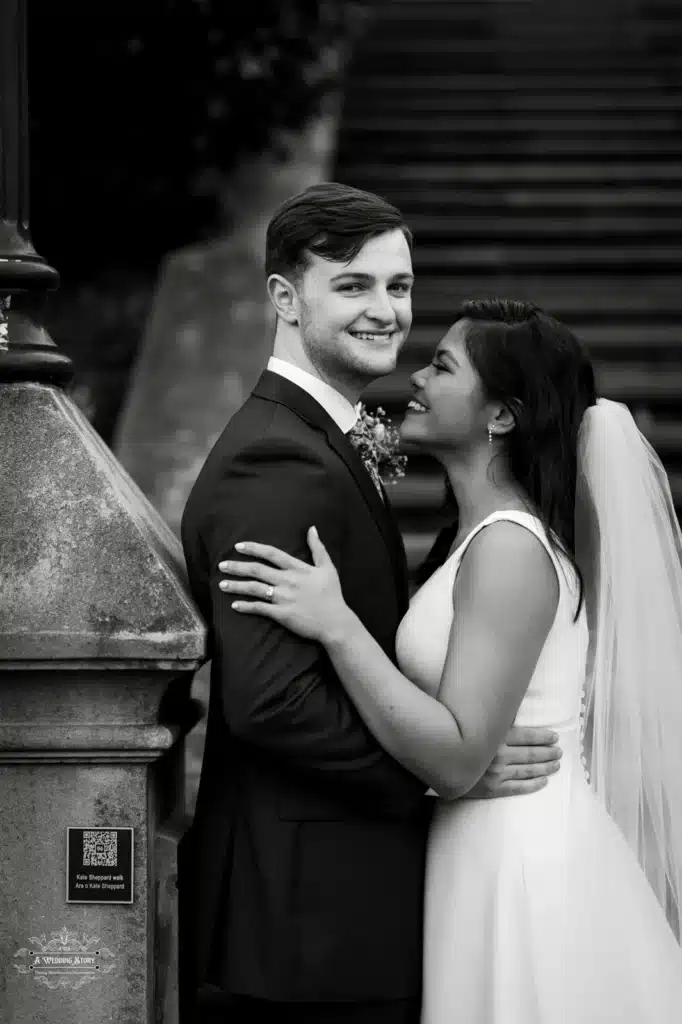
x=275, y=388
x=400, y=561
x=379, y=508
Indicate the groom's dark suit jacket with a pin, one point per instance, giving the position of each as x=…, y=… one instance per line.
x=301, y=877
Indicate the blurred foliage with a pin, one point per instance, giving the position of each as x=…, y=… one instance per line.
x=140, y=111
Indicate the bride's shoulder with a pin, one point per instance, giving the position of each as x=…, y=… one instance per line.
x=512, y=556
x=506, y=534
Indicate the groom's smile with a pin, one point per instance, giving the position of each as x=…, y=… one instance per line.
x=373, y=336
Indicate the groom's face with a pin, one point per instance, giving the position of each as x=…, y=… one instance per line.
x=355, y=317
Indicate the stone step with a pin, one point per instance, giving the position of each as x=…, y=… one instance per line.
x=664, y=434
x=533, y=159
x=394, y=105
x=377, y=103
x=661, y=38
x=473, y=57
x=444, y=8
x=531, y=19
x=471, y=60
x=493, y=199
x=480, y=172
x=508, y=256
x=652, y=10
x=424, y=21
x=511, y=121
x=444, y=5
x=486, y=42
x=509, y=83
x=426, y=492
x=610, y=342
x=496, y=224
x=622, y=383
x=506, y=145
x=424, y=17
x=579, y=296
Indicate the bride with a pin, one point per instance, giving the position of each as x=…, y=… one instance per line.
x=559, y=603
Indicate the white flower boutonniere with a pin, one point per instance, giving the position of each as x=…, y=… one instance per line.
x=377, y=442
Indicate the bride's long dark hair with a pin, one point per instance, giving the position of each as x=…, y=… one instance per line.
x=539, y=369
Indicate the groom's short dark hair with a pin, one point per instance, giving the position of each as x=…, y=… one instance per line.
x=331, y=220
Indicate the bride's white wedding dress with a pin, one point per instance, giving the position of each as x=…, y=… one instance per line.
x=536, y=910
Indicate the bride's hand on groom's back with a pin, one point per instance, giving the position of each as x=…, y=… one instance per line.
x=523, y=764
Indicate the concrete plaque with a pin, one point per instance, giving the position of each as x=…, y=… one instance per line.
x=99, y=865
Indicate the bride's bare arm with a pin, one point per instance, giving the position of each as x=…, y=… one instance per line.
x=505, y=599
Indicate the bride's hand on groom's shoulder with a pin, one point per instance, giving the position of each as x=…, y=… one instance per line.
x=305, y=598
x=526, y=760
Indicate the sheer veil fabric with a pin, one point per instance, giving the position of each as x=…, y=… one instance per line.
x=629, y=548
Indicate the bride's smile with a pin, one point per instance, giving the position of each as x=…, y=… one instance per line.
x=449, y=410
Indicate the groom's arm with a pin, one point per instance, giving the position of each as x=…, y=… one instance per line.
x=279, y=691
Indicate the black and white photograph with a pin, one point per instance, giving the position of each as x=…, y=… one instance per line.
x=341, y=483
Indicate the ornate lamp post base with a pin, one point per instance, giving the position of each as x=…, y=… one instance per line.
x=99, y=641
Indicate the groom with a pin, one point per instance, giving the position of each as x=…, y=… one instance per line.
x=301, y=878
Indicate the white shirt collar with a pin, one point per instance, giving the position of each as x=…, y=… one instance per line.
x=334, y=403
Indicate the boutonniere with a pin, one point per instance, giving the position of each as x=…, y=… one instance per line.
x=377, y=442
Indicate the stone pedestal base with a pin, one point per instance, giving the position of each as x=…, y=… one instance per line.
x=88, y=755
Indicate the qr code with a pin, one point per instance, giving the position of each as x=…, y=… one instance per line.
x=100, y=849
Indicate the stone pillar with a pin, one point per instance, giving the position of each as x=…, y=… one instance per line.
x=99, y=642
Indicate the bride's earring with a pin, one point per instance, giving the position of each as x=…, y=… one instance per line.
x=490, y=436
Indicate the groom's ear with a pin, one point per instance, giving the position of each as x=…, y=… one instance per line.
x=284, y=298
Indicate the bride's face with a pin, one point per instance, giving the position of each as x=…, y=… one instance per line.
x=453, y=412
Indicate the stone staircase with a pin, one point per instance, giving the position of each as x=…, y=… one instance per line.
x=536, y=151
